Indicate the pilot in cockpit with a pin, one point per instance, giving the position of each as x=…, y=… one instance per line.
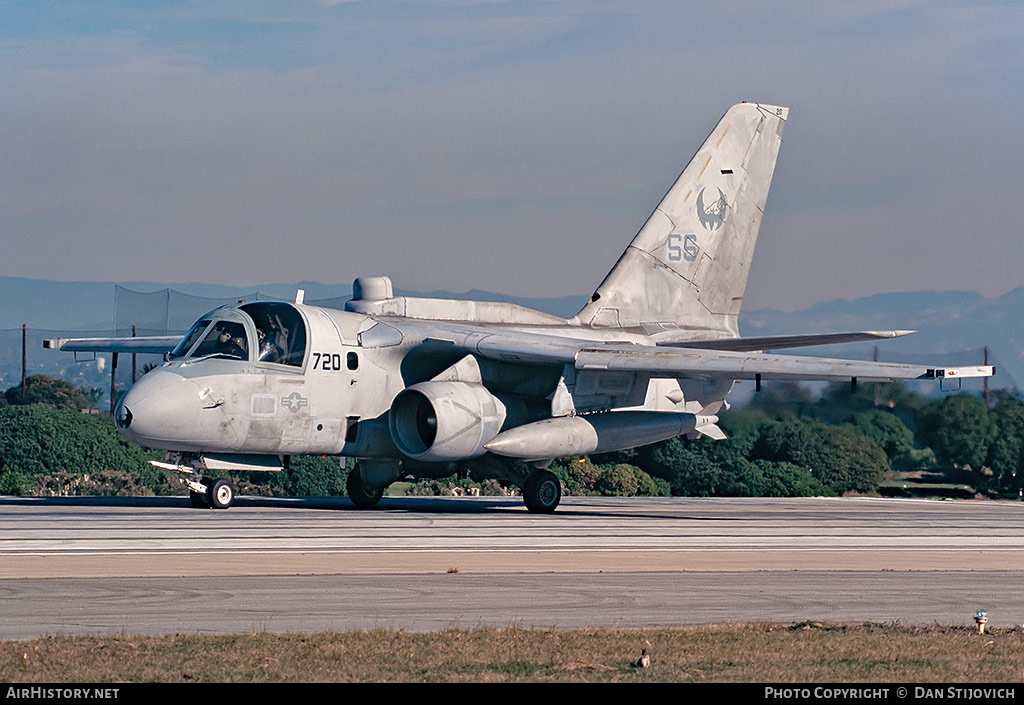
x=228, y=345
x=269, y=351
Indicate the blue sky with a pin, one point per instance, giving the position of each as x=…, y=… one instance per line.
x=509, y=146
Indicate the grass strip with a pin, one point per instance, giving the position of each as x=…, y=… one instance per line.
x=807, y=652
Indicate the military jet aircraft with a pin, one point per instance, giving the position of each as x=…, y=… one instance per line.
x=421, y=388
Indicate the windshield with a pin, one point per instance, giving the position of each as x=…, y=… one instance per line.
x=190, y=338
x=225, y=338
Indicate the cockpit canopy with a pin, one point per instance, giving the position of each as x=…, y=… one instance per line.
x=267, y=331
x=280, y=333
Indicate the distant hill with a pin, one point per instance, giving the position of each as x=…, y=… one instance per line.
x=953, y=326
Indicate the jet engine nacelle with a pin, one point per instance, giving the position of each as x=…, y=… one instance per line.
x=441, y=421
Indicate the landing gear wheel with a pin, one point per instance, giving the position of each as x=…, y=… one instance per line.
x=361, y=494
x=542, y=491
x=221, y=494
x=200, y=500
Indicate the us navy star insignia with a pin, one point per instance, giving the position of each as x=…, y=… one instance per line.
x=294, y=402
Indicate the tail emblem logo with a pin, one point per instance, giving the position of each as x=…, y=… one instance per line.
x=712, y=215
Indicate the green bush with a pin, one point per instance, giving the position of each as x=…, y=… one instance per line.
x=689, y=470
x=647, y=486
x=16, y=483
x=40, y=440
x=914, y=459
x=838, y=457
x=577, y=475
x=959, y=429
x=305, y=476
x=580, y=476
x=49, y=391
x=1006, y=454
x=885, y=429
x=617, y=481
x=763, y=478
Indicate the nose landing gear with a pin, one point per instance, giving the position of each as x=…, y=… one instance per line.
x=203, y=492
x=207, y=493
x=221, y=494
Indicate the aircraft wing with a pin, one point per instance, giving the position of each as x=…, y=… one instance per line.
x=727, y=364
x=156, y=344
x=680, y=361
x=777, y=342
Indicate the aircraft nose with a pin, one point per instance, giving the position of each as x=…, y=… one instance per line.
x=165, y=410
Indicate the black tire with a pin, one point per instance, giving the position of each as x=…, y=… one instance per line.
x=359, y=492
x=221, y=494
x=542, y=492
x=199, y=500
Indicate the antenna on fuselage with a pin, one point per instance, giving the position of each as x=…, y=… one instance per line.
x=300, y=294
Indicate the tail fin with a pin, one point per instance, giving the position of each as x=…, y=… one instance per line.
x=688, y=265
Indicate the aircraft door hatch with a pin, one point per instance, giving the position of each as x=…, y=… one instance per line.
x=281, y=333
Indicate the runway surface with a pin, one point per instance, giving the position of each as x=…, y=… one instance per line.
x=155, y=565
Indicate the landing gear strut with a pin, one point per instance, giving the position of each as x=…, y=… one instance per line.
x=200, y=500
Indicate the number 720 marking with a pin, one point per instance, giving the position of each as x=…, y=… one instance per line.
x=326, y=361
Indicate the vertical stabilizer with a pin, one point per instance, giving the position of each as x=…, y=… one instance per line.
x=687, y=267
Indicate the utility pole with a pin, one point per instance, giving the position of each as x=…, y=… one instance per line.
x=986, y=378
x=878, y=387
x=113, y=383
x=24, y=363
x=135, y=365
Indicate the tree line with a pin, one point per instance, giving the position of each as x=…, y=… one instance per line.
x=791, y=443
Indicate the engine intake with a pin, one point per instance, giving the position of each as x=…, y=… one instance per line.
x=440, y=421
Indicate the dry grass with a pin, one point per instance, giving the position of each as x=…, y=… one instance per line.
x=748, y=653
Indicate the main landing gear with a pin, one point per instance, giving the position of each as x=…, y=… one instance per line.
x=362, y=494
x=542, y=491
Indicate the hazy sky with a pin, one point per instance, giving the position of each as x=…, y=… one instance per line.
x=509, y=146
